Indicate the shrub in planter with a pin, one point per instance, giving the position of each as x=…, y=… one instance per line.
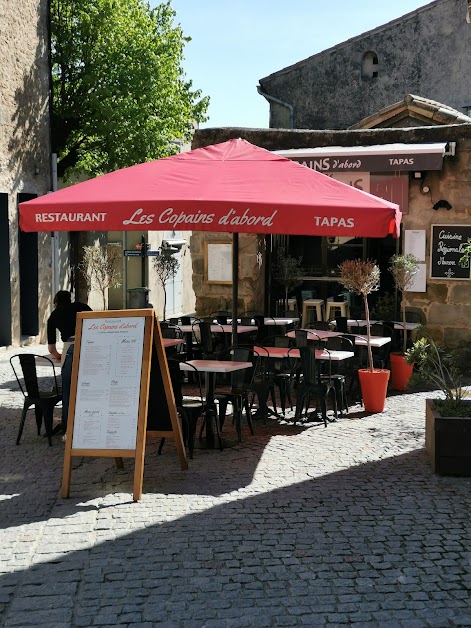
x=447, y=420
x=403, y=268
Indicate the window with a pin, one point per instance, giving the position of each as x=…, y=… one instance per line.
x=468, y=13
x=369, y=65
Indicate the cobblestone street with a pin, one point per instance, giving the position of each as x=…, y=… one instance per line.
x=297, y=525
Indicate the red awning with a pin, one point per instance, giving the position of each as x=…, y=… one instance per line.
x=232, y=187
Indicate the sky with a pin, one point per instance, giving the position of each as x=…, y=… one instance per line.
x=235, y=43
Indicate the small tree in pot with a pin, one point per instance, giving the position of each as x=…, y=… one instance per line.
x=287, y=272
x=166, y=267
x=362, y=277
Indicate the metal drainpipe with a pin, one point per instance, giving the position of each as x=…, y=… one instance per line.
x=289, y=106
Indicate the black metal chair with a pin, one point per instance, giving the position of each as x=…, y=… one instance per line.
x=44, y=402
x=342, y=371
x=381, y=354
x=239, y=389
x=280, y=371
x=191, y=408
x=312, y=384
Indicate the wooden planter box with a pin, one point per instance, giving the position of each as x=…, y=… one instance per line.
x=448, y=442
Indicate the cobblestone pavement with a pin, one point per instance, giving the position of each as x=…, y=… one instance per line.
x=306, y=525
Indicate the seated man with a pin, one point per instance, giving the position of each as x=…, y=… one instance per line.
x=63, y=319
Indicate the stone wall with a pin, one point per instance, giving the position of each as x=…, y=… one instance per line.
x=24, y=134
x=422, y=53
x=212, y=297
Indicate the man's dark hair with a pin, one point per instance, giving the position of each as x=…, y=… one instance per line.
x=63, y=297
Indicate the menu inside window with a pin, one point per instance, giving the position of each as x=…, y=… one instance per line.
x=108, y=384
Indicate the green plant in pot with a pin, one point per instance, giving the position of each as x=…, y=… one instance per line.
x=448, y=419
x=403, y=269
x=362, y=278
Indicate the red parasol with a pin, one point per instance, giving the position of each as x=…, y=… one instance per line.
x=231, y=187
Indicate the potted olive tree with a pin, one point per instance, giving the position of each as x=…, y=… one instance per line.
x=287, y=272
x=101, y=269
x=362, y=277
x=447, y=419
x=403, y=269
x=166, y=267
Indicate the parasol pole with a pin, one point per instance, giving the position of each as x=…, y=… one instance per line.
x=235, y=284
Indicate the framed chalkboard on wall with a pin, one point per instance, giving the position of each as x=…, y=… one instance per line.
x=446, y=249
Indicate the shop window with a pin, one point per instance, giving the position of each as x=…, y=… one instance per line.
x=369, y=65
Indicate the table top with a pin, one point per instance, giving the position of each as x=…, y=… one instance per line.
x=172, y=342
x=351, y=322
x=316, y=334
x=215, y=366
x=285, y=352
x=217, y=328
x=360, y=340
x=275, y=320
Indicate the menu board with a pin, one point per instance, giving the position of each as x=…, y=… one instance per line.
x=446, y=249
x=107, y=402
x=218, y=262
x=120, y=382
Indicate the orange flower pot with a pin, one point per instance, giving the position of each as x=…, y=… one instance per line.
x=400, y=371
x=374, y=387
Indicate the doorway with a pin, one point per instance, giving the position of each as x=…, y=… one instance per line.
x=5, y=285
x=29, y=278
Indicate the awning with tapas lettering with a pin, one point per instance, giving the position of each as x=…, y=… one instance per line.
x=377, y=158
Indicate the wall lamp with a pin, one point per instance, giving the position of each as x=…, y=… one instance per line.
x=442, y=204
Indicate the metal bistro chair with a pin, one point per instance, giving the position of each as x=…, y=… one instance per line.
x=342, y=372
x=191, y=408
x=312, y=384
x=43, y=402
x=239, y=389
x=280, y=371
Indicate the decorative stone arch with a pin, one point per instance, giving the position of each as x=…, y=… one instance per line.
x=369, y=65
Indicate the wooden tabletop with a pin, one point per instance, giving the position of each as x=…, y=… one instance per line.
x=285, y=352
x=215, y=366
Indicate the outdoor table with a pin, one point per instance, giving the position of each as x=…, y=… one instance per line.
x=290, y=352
x=352, y=322
x=172, y=342
x=218, y=328
x=360, y=340
x=316, y=334
x=211, y=368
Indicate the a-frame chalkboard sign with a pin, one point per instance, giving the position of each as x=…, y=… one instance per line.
x=120, y=391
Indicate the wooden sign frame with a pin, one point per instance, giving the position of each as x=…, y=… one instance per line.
x=152, y=337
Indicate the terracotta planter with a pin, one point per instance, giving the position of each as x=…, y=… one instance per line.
x=400, y=371
x=448, y=442
x=374, y=386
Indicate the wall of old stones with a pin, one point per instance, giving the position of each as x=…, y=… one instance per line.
x=24, y=134
x=422, y=53
x=211, y=297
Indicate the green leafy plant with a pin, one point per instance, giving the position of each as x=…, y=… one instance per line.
x=361, y=277
x=403, y=269
x=464, y=259
x=166, y=267
x=101, y=269
x=440, y=368
x=385, y=307
x=120, y=93
x=287, y=272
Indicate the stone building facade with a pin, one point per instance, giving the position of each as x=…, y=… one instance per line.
x=425, y=52
x=25, y=168
x=445, y=304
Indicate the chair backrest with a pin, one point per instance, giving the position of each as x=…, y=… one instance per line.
x=202, y=335
x=300, y=338
x=309, y=365
x=176, y=378
x=322, y=325
x=341, y=324
x=221, y=316
x=27, y=363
